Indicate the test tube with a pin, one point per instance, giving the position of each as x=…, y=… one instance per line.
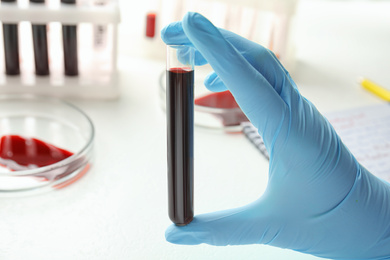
x=39, y=32
x=180, y=133
x=11, y=46
x=100, y=30
x=69, y=37
x=150, y=24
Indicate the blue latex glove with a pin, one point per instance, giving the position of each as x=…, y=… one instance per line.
x=319, y=199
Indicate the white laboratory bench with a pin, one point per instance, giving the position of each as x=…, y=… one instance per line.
x=119, y=209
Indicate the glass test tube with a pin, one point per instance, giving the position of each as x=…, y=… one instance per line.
x=11, y=46
x=39, y=32
x=69, y=37
x=180, y=133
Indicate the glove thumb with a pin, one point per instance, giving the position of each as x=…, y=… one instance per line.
x=244, y=225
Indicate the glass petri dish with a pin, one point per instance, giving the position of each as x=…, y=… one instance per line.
x=212, y=111
x=46, y=144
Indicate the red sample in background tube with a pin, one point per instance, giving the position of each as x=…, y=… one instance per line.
x=180, y=141
x=150, y=25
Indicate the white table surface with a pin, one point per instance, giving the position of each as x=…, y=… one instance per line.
x=119, y=209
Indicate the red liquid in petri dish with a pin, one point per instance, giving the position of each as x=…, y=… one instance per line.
x=17, y=152
x=232, y=116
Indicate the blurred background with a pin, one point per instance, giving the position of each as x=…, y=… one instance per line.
x=314, y=39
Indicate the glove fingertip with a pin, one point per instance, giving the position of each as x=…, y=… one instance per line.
x=181, y=236
x=199, y=29
x=173, y=34
x=194, y=20
x=170, y=234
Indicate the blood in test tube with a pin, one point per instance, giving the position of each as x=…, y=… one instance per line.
x=69, y=37
x=39, y=32
x=180, y=137
x=11, y=47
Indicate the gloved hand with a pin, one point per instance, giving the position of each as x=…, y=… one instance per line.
x=319, y=199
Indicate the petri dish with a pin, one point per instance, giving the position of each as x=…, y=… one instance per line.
x=216, y=111
x=45, y=144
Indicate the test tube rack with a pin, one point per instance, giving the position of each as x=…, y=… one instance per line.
x=96, y=47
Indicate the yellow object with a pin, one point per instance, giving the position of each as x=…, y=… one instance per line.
x=376, y=89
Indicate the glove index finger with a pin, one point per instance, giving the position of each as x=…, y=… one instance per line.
x=251, y=90
x=173, y=34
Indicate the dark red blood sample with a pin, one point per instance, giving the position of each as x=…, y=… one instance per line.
x=29, y=152
x=224, y=100
x=40, y=49
x=180, y=136
x=11, y=49
x=69, y=42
